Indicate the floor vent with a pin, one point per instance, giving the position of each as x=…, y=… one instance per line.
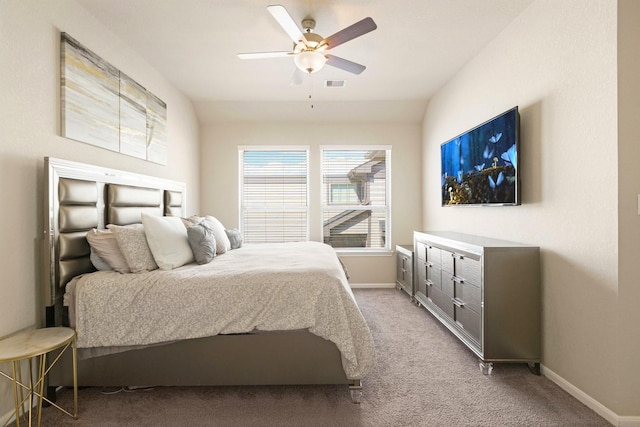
x=335, y=83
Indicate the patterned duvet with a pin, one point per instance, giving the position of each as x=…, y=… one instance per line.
x=268, y=287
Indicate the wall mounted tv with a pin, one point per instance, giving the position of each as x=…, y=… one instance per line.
x=480, y=167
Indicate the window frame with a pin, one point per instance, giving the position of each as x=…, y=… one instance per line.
x=359, y=251
x=241, y=175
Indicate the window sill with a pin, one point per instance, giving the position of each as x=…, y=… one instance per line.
x=359, y=252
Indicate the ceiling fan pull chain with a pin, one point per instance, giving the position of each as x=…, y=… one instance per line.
x=311, y=90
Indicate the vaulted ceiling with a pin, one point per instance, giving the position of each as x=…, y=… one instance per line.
x=418, y=46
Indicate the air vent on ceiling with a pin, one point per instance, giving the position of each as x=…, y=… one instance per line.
x=335, y=83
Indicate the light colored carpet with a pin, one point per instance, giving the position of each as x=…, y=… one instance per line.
x=424, y=377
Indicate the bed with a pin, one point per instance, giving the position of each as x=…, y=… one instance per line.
x=257, y=315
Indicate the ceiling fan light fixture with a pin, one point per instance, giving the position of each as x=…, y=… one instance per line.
x=310, y=61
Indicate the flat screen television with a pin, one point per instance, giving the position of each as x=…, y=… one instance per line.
x=480, y=167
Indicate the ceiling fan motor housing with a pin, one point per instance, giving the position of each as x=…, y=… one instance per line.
x=308, y=24
x=313, y=40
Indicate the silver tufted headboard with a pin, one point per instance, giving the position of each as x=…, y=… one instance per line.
x=80, y=197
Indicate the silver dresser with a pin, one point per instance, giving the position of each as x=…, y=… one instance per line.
x=404, y=268
x=485, y=291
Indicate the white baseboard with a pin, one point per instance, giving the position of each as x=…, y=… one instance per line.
x=372, y=285
x=629, y=422
x=590, y=402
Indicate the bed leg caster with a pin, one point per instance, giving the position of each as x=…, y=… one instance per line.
x=485, y=367
x=356, y=391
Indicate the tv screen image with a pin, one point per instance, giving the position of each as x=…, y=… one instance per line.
x=480, y=166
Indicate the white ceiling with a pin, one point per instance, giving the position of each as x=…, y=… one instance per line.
x=418, y=46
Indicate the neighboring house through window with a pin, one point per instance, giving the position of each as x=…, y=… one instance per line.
x=355, y=197
x=274, y=194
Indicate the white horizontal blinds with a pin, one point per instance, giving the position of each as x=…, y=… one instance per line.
x=273, y=195
x=355, y=208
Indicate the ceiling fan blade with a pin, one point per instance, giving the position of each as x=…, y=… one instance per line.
x=351, y=32
x=262, y=55
x=287, y=23
x=345, y=64
x=297, y=77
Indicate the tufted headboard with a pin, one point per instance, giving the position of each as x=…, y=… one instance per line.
x=80, y=197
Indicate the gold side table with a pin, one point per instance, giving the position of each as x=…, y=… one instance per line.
x=29, y=345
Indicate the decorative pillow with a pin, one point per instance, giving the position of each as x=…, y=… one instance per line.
x=235, y=238
x=202, y=242
x=192, y=220
x=99, y=263
x=222, y=241
x=167, y=239
x=133, y=245
x=104, y=243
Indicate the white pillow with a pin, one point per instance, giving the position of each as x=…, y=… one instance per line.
x=167, y=239
x=222, y=240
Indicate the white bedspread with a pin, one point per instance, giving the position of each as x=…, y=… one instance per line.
x=257, y=287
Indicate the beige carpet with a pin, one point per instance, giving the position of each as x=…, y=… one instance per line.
x=424, y=377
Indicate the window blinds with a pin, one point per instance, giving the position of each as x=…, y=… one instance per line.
x=273, y=195
x=355, y=203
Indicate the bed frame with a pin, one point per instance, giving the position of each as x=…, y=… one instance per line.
x=80, y=197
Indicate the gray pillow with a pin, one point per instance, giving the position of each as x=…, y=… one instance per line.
x=202, y=242
x=234, y=237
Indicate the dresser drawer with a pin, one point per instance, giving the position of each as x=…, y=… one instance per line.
x=428, y=253
x=468, y=320
x=447, y=262
x=469, y=295
x=468, y=269
x=434, y=274
x=404, y=268
x=434, y=255
x=443, y=302
x=421, y=283
x=448, y=283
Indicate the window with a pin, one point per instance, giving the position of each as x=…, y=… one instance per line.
x=355, y=197
x=273, y=194
x=343, y=194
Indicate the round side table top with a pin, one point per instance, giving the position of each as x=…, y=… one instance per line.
x=34, y=342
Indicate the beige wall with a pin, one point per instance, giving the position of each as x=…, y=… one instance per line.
x=219, y=172
x=29, y=131
x=579, y=155
x=628, y=203
x=557, y=61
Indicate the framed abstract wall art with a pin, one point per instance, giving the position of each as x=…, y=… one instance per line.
x=102, y=106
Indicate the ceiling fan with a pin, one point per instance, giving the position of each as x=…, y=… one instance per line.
x=309, y=48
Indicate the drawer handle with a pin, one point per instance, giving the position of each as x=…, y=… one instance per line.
x=457, y=256
x=457, y=279
x=430, y=265
x=458, y=302
x=428, y=282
